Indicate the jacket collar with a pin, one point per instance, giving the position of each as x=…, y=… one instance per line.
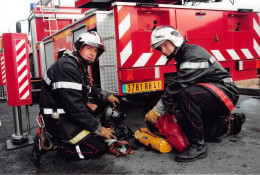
x=69, y=54
x=179, y=53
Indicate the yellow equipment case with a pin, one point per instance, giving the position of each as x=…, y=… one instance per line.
x=146, y=137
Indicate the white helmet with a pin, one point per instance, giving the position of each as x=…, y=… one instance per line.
x=163, y=33
x=90, y=38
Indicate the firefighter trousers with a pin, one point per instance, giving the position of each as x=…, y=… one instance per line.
x=203, y=115
x=90, y=148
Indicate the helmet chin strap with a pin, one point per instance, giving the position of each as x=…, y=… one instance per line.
x=85, y=63
x=172, y=55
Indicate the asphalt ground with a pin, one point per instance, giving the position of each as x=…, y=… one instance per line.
x=238, y=154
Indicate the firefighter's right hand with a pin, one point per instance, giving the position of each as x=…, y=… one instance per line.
x=152, y=116
x=114, y=101
x=107, y=133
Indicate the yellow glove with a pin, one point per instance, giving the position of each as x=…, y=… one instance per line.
x=113, y=100
x=152, y=116
x=107, y=133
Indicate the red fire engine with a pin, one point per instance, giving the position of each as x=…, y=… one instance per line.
x=129, y=66
x=44, y=21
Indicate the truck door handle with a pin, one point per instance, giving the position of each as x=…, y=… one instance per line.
x=201, y=13
x=147, y=4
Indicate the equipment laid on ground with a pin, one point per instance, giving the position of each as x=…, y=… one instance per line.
x=119, y=148
x=112, y=118
x=168, y=127
x=146, y=137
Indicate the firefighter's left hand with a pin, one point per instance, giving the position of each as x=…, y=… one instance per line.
x=152, y=116
x=113, y=100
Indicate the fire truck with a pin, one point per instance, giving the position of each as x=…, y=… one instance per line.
x=45, y=20
x=129, y=66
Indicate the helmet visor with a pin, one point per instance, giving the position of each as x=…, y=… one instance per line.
x=156, y=45
x=99, y=46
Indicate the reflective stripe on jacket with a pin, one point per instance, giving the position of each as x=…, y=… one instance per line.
x=196, y=65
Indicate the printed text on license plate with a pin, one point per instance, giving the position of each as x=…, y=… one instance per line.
x=140, y=87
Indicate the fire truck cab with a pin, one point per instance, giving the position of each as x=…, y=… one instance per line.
x=44, y=21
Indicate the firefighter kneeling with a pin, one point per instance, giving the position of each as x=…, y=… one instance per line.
x=66, y=119
x=203, y=89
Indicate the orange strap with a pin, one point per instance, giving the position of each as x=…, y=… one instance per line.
x=220, y=94
x=113, y=150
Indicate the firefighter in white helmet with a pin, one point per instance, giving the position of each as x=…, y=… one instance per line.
x=202, y=89
x=64, y=97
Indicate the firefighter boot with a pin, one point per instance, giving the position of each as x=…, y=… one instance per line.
x=196, y=150
x=235, y=122
x=36, y=152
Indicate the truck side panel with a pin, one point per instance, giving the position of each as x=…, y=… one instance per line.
x=130, y=66
x=227, y=35
x=108, y=62
x=49, y=54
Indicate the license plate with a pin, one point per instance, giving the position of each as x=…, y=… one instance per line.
x=141, y=87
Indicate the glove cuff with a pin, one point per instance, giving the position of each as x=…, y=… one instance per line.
x=104, y=94
x=98, y=130
x=159, y=107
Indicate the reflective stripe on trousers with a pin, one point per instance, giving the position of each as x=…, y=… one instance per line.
x=51, y=111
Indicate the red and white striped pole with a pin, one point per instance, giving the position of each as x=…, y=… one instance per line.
x=18, y=83
x=2, y=77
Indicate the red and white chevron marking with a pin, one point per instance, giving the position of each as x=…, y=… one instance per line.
x=126, y=51
x=256, y=22
x=3, y=70
x=234, y=54
x=22, y=70
x=124, y=33
x=244, y=53
x=143, y=59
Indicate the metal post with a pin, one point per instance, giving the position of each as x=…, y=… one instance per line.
x=19, y=139
x=258, y=97
x=27, y=120
x=17, y=122
x=2, y=92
